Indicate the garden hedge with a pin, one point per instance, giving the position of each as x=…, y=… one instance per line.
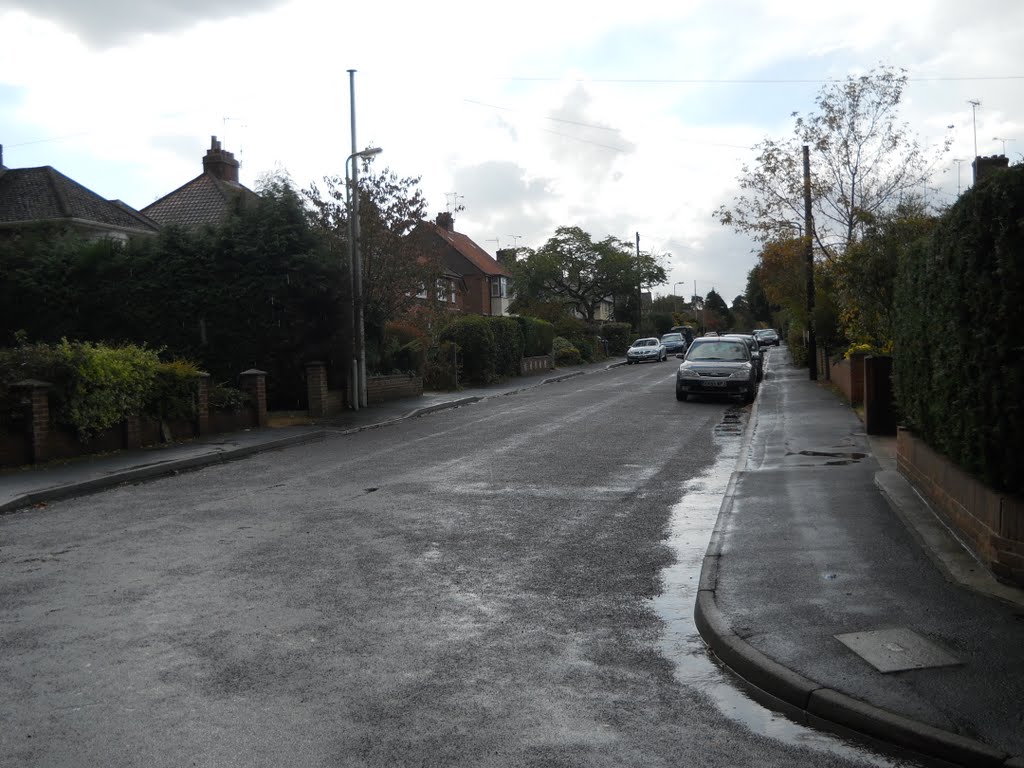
x=959, y=337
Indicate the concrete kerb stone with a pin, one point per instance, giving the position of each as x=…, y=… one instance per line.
x=861, y=717
x=154, y=470
x=803, y=699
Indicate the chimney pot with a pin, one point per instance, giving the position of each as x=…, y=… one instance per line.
x=220, y=163
x=446, y=221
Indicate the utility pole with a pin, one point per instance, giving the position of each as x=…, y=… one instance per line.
x=812, y=344
x=359, y=338
x=639, y=288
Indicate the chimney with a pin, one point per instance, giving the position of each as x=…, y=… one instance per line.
x=220, y=163
x=986, y=166
x=1, y=155
x=446, y=221
x=506, y=257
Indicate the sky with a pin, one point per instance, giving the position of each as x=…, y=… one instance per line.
x=620, y=118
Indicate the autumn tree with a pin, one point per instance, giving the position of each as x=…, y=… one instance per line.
x=572, y=270
x=865, y=162
x=716, y=314
x=395, y=268
x=866, y=274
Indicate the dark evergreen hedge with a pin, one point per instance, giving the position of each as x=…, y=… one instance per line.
x=508, y=346
x=538, y=336
x=959, y=346
x=478, y=354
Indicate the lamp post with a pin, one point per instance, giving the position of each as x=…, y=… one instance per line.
x=358, y=398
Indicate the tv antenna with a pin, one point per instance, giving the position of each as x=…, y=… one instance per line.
x=515, y=240
x=496, y=241
x=452, y=204
x=974, y=119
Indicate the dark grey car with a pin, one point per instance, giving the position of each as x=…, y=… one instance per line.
x=718, y=366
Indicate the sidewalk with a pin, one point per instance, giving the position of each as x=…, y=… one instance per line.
x=830, y=587
x=21, y=488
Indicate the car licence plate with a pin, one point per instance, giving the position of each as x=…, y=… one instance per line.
x=713, y=383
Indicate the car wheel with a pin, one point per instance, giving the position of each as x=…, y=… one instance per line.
x=680, y=395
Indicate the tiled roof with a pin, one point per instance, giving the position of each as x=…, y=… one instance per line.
x=204, y=200
x=35, y=195
x=472, y=252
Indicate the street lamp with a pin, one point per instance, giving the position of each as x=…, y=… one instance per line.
x=358, y=395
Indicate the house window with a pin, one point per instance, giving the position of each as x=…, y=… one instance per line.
x=422, y=294
x=499, y=287
x=445, y=290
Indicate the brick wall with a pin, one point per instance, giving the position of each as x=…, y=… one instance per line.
x=990, y=522
x=848, y=375
x=380, y=389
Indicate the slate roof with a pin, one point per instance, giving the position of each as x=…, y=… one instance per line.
x=204, y=200
x=472, y=252
x=39, y=195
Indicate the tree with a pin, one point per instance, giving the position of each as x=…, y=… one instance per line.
x=866, y=275
x=717, y=316
x=758, y=303
x=578, y=273
x=864, y=163
x=743, y=316
x=395, y=268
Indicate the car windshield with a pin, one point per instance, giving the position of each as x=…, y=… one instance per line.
x=645, y=343
x=723, y=351
x=672, y=337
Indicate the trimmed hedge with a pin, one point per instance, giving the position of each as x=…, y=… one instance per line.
x=958, y=336
x=509, y=345
x=474, y=337
x=538, y=336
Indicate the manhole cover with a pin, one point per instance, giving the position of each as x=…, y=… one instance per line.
x=897, y=650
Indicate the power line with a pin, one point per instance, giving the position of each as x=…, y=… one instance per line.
x=743, y=81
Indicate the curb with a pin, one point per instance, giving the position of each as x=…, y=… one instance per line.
x=805, y=700
x=152, y=471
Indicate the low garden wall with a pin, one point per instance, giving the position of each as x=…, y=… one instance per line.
x=32, y=436
x=380, y=389
x=848, y=375
x=530, y=365
x=990, y=522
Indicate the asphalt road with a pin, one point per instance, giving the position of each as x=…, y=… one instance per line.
x=503, y=584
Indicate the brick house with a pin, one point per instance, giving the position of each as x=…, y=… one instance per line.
x=209, y=198
x=31, y=198
x=473, y=281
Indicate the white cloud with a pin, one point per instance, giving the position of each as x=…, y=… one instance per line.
x=463, y=94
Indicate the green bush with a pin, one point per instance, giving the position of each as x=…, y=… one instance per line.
x=537, y=336
x=619, y=335
x=477, y=348
x=565, y=352
x=440, y=371
x=509, y=346
x=173, y=395
x=960, y=310
x=42, y=362
x=227, y=398
x=108, y=384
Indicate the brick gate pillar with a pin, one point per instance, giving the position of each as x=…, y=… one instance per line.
x=254, y=382
x=37, y=399
x=316, y=387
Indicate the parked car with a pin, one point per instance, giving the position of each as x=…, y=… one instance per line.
x=649, y=349
x=674, y=343
x=719, y=366
x=685, y=331
x=767, y=337
x=755, y=350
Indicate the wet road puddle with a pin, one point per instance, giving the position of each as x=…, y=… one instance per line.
x=693, y=520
